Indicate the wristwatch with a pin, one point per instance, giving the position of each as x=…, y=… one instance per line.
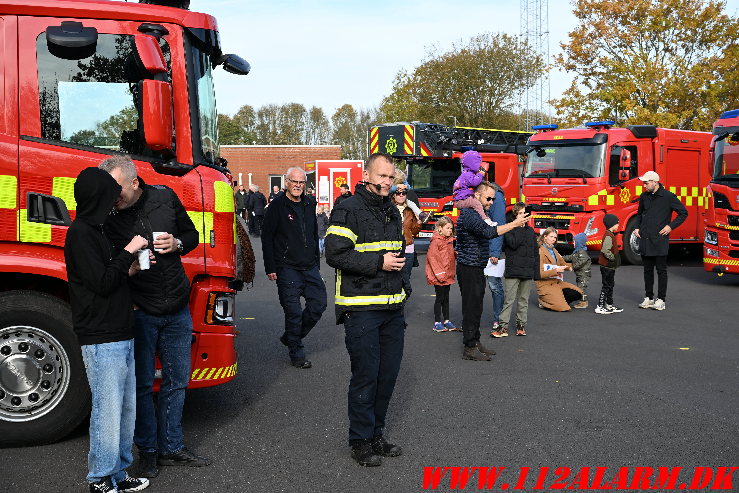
x=180, y=248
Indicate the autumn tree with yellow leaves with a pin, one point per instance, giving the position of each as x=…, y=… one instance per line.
x=670, y=63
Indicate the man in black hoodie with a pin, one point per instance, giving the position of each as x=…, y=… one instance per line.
x=103, y=321
x=291, y=257
x=162, y=319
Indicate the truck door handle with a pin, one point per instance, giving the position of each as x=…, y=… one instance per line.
x=47, y=209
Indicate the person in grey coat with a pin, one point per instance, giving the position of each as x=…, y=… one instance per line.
x=653, y=226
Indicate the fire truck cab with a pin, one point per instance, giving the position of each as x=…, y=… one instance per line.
x=721, y=241
x=574, y=177
x=83, y=80
x=432, y=155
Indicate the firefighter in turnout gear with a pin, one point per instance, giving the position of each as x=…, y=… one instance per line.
x=364, y=243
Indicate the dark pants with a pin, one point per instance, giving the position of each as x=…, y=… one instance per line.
x=159, y=428
x=407, y=269
x=291, y=286
x=649, y=264
x=251, y=221
x=441, y=305
x=374, y=340
x=258, y=224
x=472, y=287
x=609, y=281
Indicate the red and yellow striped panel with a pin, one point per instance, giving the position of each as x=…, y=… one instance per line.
x=408, y=139
x=424, y=150
x=374, y=140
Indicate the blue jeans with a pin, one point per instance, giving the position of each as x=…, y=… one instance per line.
x=407, y=269
x=110, y=373
x=374, y=340
x=496, y=289
x=170, y=337
x=293, y=284
x=321, y=241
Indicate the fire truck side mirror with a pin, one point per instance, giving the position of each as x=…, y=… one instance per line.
x=149, y=57
x=156, y=114
x=71, y=40
x=234, y=64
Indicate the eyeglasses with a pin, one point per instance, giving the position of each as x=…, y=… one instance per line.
x=400, y=192
x=297, y=182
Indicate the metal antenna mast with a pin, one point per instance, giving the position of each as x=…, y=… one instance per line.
x=535, y=30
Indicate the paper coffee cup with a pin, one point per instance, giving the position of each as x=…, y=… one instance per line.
x=155, y=234
x=144, y=259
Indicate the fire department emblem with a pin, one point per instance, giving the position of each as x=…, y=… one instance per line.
x=625, y=195
x=340, y=180
x=391, y=145
x=554, y=191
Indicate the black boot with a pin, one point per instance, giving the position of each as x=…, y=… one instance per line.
x=363, y=453
x=385, y=449
x=148, y=465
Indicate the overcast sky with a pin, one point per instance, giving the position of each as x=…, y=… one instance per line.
x=331, y=52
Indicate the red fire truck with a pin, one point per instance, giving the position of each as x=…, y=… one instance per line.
x=326, y=177
x=83, y=80
x=432, y=151
x=721, y=242
x=573, y=177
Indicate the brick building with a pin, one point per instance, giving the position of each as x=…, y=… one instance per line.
x=267, y=164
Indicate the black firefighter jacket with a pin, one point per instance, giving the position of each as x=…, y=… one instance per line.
x=98, y=276
x=521, y=254
x=164, y=288
x=654, y=213
x=363, y=228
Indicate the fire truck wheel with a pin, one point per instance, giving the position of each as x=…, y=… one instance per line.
x=630, y=253
x=43, y=387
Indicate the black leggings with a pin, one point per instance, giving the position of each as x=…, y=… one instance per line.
x=442, y=303
x=571, y=295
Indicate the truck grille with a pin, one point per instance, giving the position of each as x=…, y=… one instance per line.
x=733, y=220
x=734, y=254
x=543, y=223
x=556, y=207
x=734, y=235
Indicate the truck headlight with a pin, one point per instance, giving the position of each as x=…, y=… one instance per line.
x=220, y=309
x=711, y=237
x=711, y=252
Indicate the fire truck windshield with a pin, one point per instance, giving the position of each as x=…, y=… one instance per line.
x=726, y=160
x=206, y=104
x=435, y=178
x=550, y=161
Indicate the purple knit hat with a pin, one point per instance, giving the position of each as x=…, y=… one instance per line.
x=471, y=161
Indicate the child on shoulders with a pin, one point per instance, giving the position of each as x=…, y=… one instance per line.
x=473, y=172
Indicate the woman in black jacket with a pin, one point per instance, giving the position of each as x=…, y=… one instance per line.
x=521, y=270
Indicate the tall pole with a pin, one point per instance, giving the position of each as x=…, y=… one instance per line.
x=535, y=30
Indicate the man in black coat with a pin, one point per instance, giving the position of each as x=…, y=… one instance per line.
x=653, y=226
x=162, y=322
x=345, y=194
x=290, y=252
x=240, y=198
x=258, y=202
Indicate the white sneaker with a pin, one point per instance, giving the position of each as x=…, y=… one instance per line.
x=602, y=310
x=647, y=303
x=614, y=309
x=659, y=304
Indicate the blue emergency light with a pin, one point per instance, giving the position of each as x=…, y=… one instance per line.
x=729, y=114
x=551, y=126
x=604, y=123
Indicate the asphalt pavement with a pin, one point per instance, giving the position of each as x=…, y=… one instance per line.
x=639, y=388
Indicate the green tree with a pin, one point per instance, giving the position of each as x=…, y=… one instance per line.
x=664, y=62
x=317, y=128
x=230, y=132
x=246, y=118
x=350, y=130
x=479, y=83
x=111, y=129
x=291, y=124
x=267, y=125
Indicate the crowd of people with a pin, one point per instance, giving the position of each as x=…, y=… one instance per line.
x=125, y=314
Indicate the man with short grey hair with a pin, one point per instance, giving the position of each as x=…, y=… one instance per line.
x=291, y=258
x=162, y=321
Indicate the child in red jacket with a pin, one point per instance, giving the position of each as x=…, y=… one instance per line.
x=440, y=271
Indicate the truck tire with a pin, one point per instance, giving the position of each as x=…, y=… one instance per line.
x=44, y=393
x=630, y=253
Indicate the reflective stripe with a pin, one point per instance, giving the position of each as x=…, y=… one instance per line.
x=32, y=232
x=342, y=231
x=376, y=246
x=8, y=191
x=371, y=300
x=197, y=219
x=224, y=197
x=63, y=187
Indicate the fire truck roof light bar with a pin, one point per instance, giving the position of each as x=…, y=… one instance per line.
x=544, y=128
x=603, y=123
x=729, y=114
